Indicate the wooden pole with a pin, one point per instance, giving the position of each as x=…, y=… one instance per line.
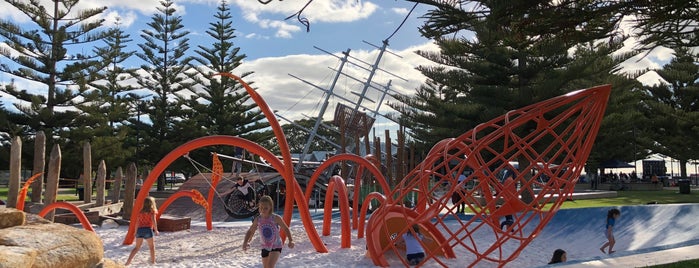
x=389, y=159
x=39, y=165
x=400, y=168
x=15, y=172
x=87, y=173
x=129, y=190
x=116, y=186
x=52, y=179
x=100, y=182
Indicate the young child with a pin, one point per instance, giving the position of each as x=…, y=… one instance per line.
x=559, y=256
x=268, y=223
x=413, y=249
x=612, y=216
x=147, y=227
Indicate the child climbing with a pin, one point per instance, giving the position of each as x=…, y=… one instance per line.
x=413, y=249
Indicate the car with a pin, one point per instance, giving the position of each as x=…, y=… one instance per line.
x=174, y=177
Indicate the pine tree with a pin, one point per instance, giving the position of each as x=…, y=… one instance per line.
x=674, y=109
x=518, y=56
x=108, y=105
x=40, y=53
x=167, y=74
x=222, y=104
x=669, y=23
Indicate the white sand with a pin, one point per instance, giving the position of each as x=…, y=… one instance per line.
x=641, y=229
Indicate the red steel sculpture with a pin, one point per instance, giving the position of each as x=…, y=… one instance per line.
x=513, y=165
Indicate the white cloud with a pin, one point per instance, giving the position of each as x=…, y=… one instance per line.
x=317, y=11
x=400, y=11
x=294, y=98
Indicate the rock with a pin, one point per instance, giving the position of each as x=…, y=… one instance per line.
x=108, y=263
x=56, y=245
x=16, y=257
x=10, y=217
x=109, y=224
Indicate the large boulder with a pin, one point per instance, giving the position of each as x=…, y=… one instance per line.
x=10, y=217
x=40, y=243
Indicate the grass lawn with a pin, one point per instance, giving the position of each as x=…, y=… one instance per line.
x=625, y=198
x=681, y=264
x=61, y=197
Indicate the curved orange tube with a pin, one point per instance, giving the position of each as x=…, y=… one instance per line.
x=230, y=141
x=288, y=170
x=365, y=207
x=363, y=163
x=195, y=195
x=25, y=188
x=76, y=211
x=336, y=182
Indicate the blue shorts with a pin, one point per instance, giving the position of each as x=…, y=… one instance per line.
x=144, y=232
x=265, y=252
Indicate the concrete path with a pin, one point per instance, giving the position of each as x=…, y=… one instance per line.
x=642, y=260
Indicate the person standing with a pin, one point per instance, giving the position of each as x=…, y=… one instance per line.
x=268, y=224
x=147, y=228
x=612, y=216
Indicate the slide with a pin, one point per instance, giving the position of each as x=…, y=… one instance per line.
x=395, y=222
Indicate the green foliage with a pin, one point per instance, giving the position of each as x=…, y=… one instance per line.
x=168, y=74
x=674, y=111
x=518, y=56
x=221, y=103
x=40, y=54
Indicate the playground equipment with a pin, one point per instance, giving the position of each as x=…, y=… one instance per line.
x=552, y=138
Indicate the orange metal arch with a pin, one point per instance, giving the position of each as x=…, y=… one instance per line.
x=196, y=197
x=365, y=207
x=74, y=209
x=23, y=193
x=231, y=141
x=337, y=183
x=362, y=163
x=288, y=170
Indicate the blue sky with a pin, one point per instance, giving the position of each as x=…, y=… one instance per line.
x=276, y=47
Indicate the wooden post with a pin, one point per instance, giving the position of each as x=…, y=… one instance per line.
x=52, y=179
x=400, y=168
x=99, y=183
x=389, y=160
x=412, y=157
x=87, y=172
x=116, y=186
x=129, y=190
x=39, y=165
x=15, y=172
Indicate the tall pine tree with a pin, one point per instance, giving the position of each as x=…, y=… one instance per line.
x=221, y=105
x=674, y=109
x=519, y=54
x=166, y=74
x=39, y=53
x=108, y=105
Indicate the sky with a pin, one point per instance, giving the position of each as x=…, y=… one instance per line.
x=277, y=48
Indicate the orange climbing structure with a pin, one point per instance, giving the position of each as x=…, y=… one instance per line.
x=542, y=147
